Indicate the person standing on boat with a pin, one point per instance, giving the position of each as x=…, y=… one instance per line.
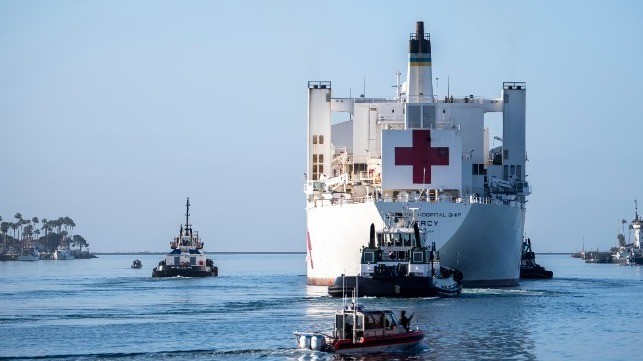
x=405, y=321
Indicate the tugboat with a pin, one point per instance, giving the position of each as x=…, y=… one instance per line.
x=186, y=258
x=528, y=266
x=397, y=263
x=630, y=254
x=137, y=264
x=358, y=331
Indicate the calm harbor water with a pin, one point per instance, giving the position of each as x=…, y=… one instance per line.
x=102, y=309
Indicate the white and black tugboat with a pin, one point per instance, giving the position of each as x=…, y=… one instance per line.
x=359, y=331
x=398, y=263
x=186, y=258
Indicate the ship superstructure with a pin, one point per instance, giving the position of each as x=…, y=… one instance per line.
x=417, y=150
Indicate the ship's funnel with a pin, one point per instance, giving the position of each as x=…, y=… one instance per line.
x=419, y=75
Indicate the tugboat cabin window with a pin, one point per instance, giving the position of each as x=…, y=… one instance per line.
x=418, y=257
x=369, y=257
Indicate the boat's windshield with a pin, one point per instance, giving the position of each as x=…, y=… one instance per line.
x=398, y=239
x=379, y=320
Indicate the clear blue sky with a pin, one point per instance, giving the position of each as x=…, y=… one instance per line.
x=112, y=112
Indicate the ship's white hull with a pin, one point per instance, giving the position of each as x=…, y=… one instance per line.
x=481, y=240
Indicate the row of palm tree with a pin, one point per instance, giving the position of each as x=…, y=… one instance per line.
x=25, y=230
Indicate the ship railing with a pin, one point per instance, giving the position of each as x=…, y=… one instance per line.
x=442, y=199
x=492, y=201
x=390, y=119
x=362, y=99
x=422, y=99
x=365, y=199
x=462, y=99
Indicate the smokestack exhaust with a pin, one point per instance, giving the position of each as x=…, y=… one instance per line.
x=419, y=74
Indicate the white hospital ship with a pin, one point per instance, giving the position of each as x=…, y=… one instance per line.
x=417, y=154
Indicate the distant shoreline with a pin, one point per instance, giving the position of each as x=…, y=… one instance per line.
x=161, y=253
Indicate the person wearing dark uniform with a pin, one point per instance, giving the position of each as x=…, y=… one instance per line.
x=405, y=321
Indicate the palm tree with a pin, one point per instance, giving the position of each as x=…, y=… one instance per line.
x=44, y=227
x=4, y=227
x=59, y=224
x=25, y=224
x=624, y=221
x=80, y=242
x=18, y=216
x=55, y=224
x=28, y=230
x=69, y=223
x=14, y=227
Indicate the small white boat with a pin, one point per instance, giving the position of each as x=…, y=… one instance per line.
x=29, y=254
x=63, y=252
x=358, y=331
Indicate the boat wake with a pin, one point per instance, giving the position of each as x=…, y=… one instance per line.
x=499, y=292
x=197, y=354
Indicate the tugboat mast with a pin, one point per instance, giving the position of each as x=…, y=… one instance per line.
x=636, y=210
x=187, y=216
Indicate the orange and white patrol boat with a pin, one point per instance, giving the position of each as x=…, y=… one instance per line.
x=358, y=331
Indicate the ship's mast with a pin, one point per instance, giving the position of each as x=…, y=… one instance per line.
x=636, y=210
x=187, y=216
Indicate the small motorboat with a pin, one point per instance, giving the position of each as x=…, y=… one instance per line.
x=186, y=259
x=358, y=331
x=137, y=264
x=397, y=263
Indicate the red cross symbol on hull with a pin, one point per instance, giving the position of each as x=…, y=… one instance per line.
x=421, y=156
